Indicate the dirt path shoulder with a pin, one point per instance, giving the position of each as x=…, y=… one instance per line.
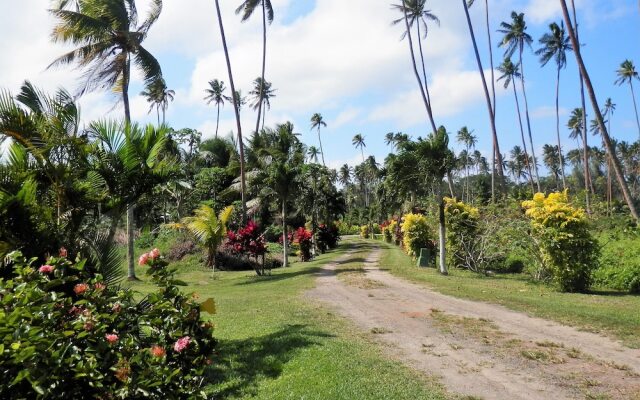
x=479, y=349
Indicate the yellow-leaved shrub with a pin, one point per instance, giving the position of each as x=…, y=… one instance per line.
x=416, y=234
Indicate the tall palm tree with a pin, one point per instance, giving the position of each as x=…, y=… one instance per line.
x=515, y=38
x=236, y=107
x=626, y=74
x=555, y=45
x=344, y=176
x=215, y=94
x=510, y=73
x=465, y=137
x=575, y=125
x=318, y=122
x=594, y=103
x=313, y=152
x=261, y=95
x=159, y=96
x=412, y=13
x=358, y=141
x=247, y=8
x=110, y=38
x=550, y=157
x=490, y=105
x=609, y=108
x=517, y=163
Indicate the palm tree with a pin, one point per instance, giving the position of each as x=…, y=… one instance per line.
x=517, y=163
x=515, y=38
x=247, y=9
x=215, y=94
x=261, y=94
x=110, y=39
x=626, y=74
x=555, y=45
x=594, y=103
x=236, y=107
x=550, y=157
x=466, y=137
x=510, y=73
x=358, y=141
x=576, y=128
x=344, y=176
x=313, y=152
x=389, y=139
x=238, y=100
x=209, y=229
x=413, y=12
x=317, y=122
x=159, y=96
x=490, y=105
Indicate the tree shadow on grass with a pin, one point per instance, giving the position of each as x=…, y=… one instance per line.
x=242, y=364
x=278, y=277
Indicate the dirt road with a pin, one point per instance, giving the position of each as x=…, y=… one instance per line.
x=479, y=349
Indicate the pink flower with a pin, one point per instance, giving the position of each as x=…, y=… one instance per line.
x=116, y=308
x=46, y=269
x=99, y=286
x=111, y=338
x=80, y=288
x=143, y=259
x=181, y=344
x=155, y=253
x=62, y=252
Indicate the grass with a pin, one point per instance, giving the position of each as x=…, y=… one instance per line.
x=275, y=344
x=611, y=313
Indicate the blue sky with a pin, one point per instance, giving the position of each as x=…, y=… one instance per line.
x=344, y=60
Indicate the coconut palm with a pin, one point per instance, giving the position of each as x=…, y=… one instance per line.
x=215, y=94
x=110, y=38
x=313, y=152
x=261, y=95
x=550, y=158
x=517, y=163
x=575, y=124
x=238, y=100
x=318, y=122
x=358, y=141
x=413, y=12
x=594, y=103
x=510, y=73
x=555, y=46
x=626, y=74
x=208, y=228
x=159, y=96
x=490, y=104
x=247, y=8
x=466, y=138
x=515, y=38
x=236, y=107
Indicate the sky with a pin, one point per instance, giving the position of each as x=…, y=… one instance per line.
x=344, y=60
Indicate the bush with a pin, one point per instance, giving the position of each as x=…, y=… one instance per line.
x=303, y=240
x=620, y=262
x=181, y=249
x=416, y=234
x=462, y=234
x=273, y=233
x=567, y=248
x=512, y=265
x=66, y=332
x=365, y=232
x=327, y=237
x=620, y=277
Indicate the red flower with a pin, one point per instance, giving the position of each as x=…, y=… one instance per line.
x=80, y=288
x=46, y=269
x=62, y=252
x=158, y=351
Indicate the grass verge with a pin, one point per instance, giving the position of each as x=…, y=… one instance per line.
x=274, y=344
x=610, y=313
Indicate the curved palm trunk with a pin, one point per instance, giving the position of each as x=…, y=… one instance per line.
x=526, y=113
x=264, y=62
x=285, y=259
x=490, y=106
x=321, y=150
x=424, y=69
x=496, y=153
x=524, y=142
x=585, y=148
x=243, y=187
x=427, y=104
x=635, y=106
x=594, y=103
x=564, y=181
x=131, y=271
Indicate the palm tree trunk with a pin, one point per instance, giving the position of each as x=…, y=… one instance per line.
x=492, y=118
x=131, y=272
x=427, y=104
x=526, y=113
x=635, y=106
x=424, y=70
x=564, y=181
x=524, y=142
x=243, y=187
x=321, y=150
x=217, y=121
x=264, y=62
x=496, y=153
x=285, y=259
x=594, y=103
x=585, y=148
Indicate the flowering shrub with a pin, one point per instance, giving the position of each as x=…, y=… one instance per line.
x=65, y=332
x=327, y=237
x=247, y=241
x=567, y=248
x=303, y=239
x=389, y=230
x=364, y=232
x=462, y=233
x=416, y=234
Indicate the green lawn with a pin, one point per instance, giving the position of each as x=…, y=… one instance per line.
x=275, y=344
x=615, y=314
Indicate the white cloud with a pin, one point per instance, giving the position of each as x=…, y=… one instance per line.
x=346, y=116
x=548, y=112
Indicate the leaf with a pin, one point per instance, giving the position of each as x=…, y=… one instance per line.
x=208, y=306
